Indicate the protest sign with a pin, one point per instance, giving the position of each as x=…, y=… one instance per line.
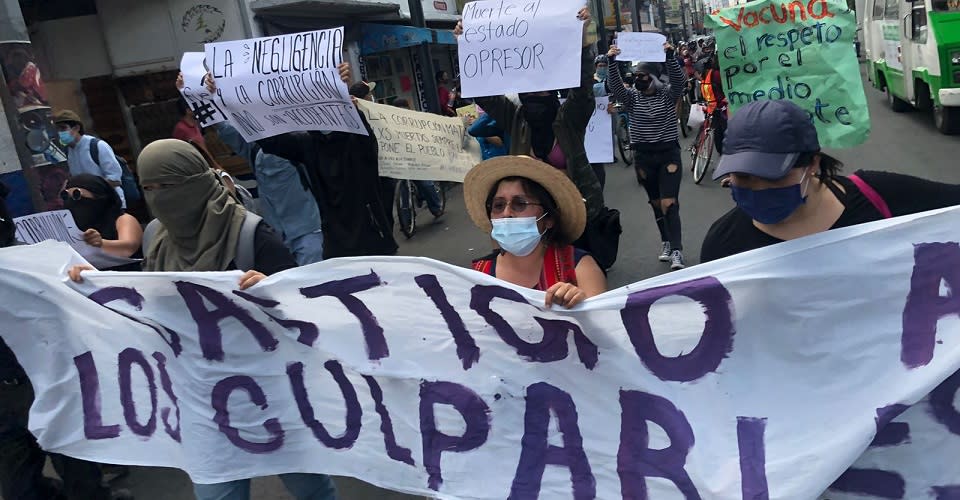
x=421, y=146
x=512, y=46
x=641, y=47
x=800, y=51
x=58, y=225
x=599, y=137
x=470, y=112
x=194, y=91
x=273, y=85
x=761, y=375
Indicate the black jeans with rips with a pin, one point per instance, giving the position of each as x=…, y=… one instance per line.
x=22, y=460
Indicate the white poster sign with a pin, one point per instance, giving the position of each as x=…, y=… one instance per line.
x=641, y=47
x=512, y=46
x=273, y=85
x=768, y=374
x=58, y=225
x=599, y=138
x=194, y=91
x=421, y=146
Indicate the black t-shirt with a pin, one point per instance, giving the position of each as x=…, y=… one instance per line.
x=904, y=194
x=270, y=254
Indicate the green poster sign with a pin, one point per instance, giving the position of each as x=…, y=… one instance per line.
x=802, y=51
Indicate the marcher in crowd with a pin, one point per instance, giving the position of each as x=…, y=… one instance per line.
x=71, y=132
x=444, y=95
x=538, y=125
x=493, y=140
x=187, y=129
x=785, y=187
x=655, y=143
x=201, y=228
x=96, y=209
x=21, y=458
x=711, y=88
x=343, y=172
x=534, y=213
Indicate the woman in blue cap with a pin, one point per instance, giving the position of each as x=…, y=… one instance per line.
x=785, y=187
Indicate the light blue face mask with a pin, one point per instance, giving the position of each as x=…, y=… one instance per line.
x=66, y=137
x=518, y=236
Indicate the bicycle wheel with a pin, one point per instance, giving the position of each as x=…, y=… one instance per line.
x=701, y=161
x=405, y=197
x=623, y=142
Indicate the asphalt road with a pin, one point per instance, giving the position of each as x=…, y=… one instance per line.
x=906, y=143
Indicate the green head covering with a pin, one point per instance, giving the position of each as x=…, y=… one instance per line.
x=201, y=221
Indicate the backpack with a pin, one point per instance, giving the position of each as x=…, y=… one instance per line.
x=131, y=191
x=246, y=252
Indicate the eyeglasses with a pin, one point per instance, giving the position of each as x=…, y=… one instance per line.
x=517, y=205
x=71, y=195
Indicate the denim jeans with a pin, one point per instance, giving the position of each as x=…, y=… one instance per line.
x=307, y=249
x=427, y=191
x=22, y=460
x=301, y=486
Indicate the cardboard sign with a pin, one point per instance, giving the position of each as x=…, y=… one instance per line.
x=273, y=85
x=421, y=146
x=58, y=225
x=512, y=46
x=801, y=51
x=641, y=47
x=599, y=138
x=204, y=105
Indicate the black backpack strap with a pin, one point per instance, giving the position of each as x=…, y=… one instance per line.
x=95, y=150
x=245, y=259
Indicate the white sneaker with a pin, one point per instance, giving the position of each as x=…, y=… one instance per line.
x=665, y=252
x=676, y=260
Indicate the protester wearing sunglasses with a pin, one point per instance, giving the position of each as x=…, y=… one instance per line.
x=98, y=212
x=533, y=212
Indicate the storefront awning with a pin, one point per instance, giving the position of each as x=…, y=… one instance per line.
x=324, y=8
x=383, y=37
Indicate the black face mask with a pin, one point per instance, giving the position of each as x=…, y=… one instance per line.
x=643, y=84
x=540, y=112
x=88, y=213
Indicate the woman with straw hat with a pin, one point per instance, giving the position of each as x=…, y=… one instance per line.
x=533, y=212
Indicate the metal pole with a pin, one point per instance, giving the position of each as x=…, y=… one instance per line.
x=663, y=17
x=13, y=29
x=616, y=14
x=683, y=19
x=635, y=15
x=426, y=61
x=602, y=45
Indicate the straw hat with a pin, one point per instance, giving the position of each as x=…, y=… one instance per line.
x=481, y=179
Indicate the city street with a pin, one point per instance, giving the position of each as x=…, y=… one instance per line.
x=906, y=143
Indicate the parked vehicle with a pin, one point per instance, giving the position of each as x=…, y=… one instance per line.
x=913, y=53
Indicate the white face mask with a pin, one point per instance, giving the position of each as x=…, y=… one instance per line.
x=518, y=236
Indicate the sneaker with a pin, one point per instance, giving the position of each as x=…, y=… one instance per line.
x=665, y=252
x=676, y=260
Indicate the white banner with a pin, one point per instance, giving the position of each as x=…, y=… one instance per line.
x=273, y=85
x=599, y=137
x=204, y=105
x=641, y=47
x=420, y=146
x=764, y=375
x=515, y=46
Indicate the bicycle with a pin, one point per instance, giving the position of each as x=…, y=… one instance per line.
x=407, y=200
x=702, y=149
x=623, y=135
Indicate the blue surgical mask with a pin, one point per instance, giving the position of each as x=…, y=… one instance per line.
x=602, y=74
x=519, y=236
x=770, y=206
x=66, y=137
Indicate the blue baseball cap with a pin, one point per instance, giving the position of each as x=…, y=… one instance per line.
x=765, y=138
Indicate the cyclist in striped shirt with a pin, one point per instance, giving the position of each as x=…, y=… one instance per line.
x=652, y=108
